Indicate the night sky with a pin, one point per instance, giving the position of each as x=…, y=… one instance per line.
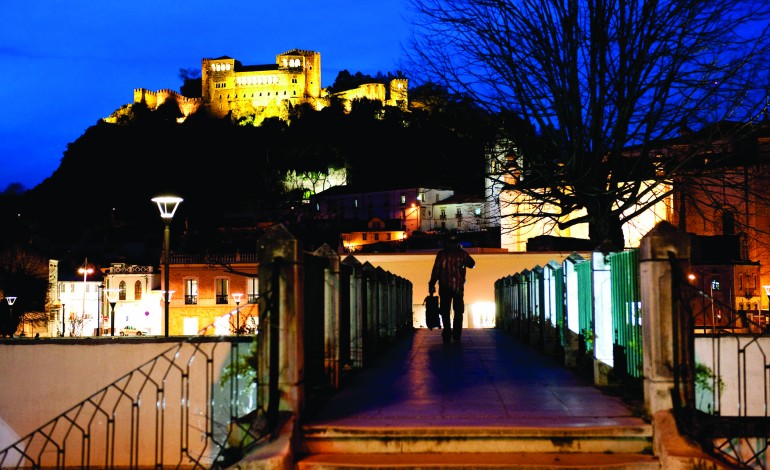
x=65, y=65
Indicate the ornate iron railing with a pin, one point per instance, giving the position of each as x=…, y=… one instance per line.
x=726, y=407
x=192, y=406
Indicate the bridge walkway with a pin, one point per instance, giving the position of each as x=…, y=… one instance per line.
x=486, y=399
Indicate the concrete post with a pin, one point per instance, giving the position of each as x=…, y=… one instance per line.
x=658, y=334
x=356, y=313
x=331, y=314
x=281, y=281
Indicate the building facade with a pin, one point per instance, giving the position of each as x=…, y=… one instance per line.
x=213, y=294
x=268, y=90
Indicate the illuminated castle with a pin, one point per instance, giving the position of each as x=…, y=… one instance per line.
x=270, y=90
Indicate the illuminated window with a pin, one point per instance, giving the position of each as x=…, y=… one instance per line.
x=355, y=203
x=477, y=211
x=403, y=199
x=122, y=290
x=138, y=290
x=191, y=291
x=363, y=236
x=421, y=197
x=223, y=290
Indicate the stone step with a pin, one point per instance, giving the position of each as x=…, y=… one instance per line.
x=479, y=461
x=630, y=439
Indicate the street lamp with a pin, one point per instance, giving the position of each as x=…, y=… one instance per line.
x=10, y=301
x=167, y=205
x=112, y=298
x=85, y=270
x=237, y=296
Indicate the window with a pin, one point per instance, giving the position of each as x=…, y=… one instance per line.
x=88, y=287
x=421, y=196
x=363, y=236
x=252, y=290
x=61, y=288
x=355, y=203
x=191, y=291
x=376, y=236
x=403, y=199
x=459, y=213
x=122, y=290
x=477, y=211
x=443, y=213
x=223, y=290
x=389, y=236
x=72, y=287
x=138, y=290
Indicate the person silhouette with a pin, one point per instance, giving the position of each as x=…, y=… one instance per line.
x=449, y=272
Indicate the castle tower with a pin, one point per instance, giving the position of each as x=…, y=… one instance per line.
x=399, y=92
x=216, y=77
x=306, y=64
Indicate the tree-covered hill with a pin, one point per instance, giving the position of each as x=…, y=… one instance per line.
x=97, y=203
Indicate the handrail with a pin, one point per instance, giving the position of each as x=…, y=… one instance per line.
x=181, y=408
x=726, y=408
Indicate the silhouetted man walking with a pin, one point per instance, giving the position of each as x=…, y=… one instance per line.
x=449, y=272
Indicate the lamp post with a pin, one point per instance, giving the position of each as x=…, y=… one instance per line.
x=112, y=298
x=167, y=205
x=237, y=296
x=85, y=270
x=62, y=320
x=11, y=301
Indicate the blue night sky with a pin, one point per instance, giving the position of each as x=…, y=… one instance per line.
x=65, y=65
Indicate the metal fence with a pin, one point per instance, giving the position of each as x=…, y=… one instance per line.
x=722, y=375
x=197, y=404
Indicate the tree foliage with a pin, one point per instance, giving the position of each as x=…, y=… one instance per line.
x=587, y=79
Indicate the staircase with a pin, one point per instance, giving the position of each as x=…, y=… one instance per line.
x=488, y=402
x=561, y=447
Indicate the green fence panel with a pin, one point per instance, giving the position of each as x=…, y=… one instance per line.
x=626, y=310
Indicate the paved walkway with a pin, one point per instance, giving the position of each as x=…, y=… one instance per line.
x=489, y=379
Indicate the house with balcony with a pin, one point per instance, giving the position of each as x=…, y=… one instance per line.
x=132, y=303
x=213, y=294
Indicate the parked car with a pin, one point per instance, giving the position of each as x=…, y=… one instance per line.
x=132, y=331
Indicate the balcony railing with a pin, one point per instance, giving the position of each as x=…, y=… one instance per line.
x=190, y=299
x=230, y=258
x=221, y=299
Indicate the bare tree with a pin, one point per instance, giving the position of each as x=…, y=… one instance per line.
x=587, y=80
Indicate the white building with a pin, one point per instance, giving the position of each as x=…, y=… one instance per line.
x=135, y=291
x=85, y=303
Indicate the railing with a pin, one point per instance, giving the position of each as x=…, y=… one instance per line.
x=180, y=409
x=722, y=376
x=201, y=405
x=726, y=410
x=190, y=299
x=229, y=258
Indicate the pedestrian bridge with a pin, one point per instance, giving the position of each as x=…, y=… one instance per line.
x=336, y=376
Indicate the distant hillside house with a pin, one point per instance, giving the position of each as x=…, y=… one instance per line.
x=270, y=90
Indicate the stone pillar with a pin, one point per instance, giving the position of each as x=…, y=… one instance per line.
x=658, y=334
x=331, y=314
x=281, y=282
x=357, y=322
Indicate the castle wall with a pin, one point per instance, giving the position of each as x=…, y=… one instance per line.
x=269, y=90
